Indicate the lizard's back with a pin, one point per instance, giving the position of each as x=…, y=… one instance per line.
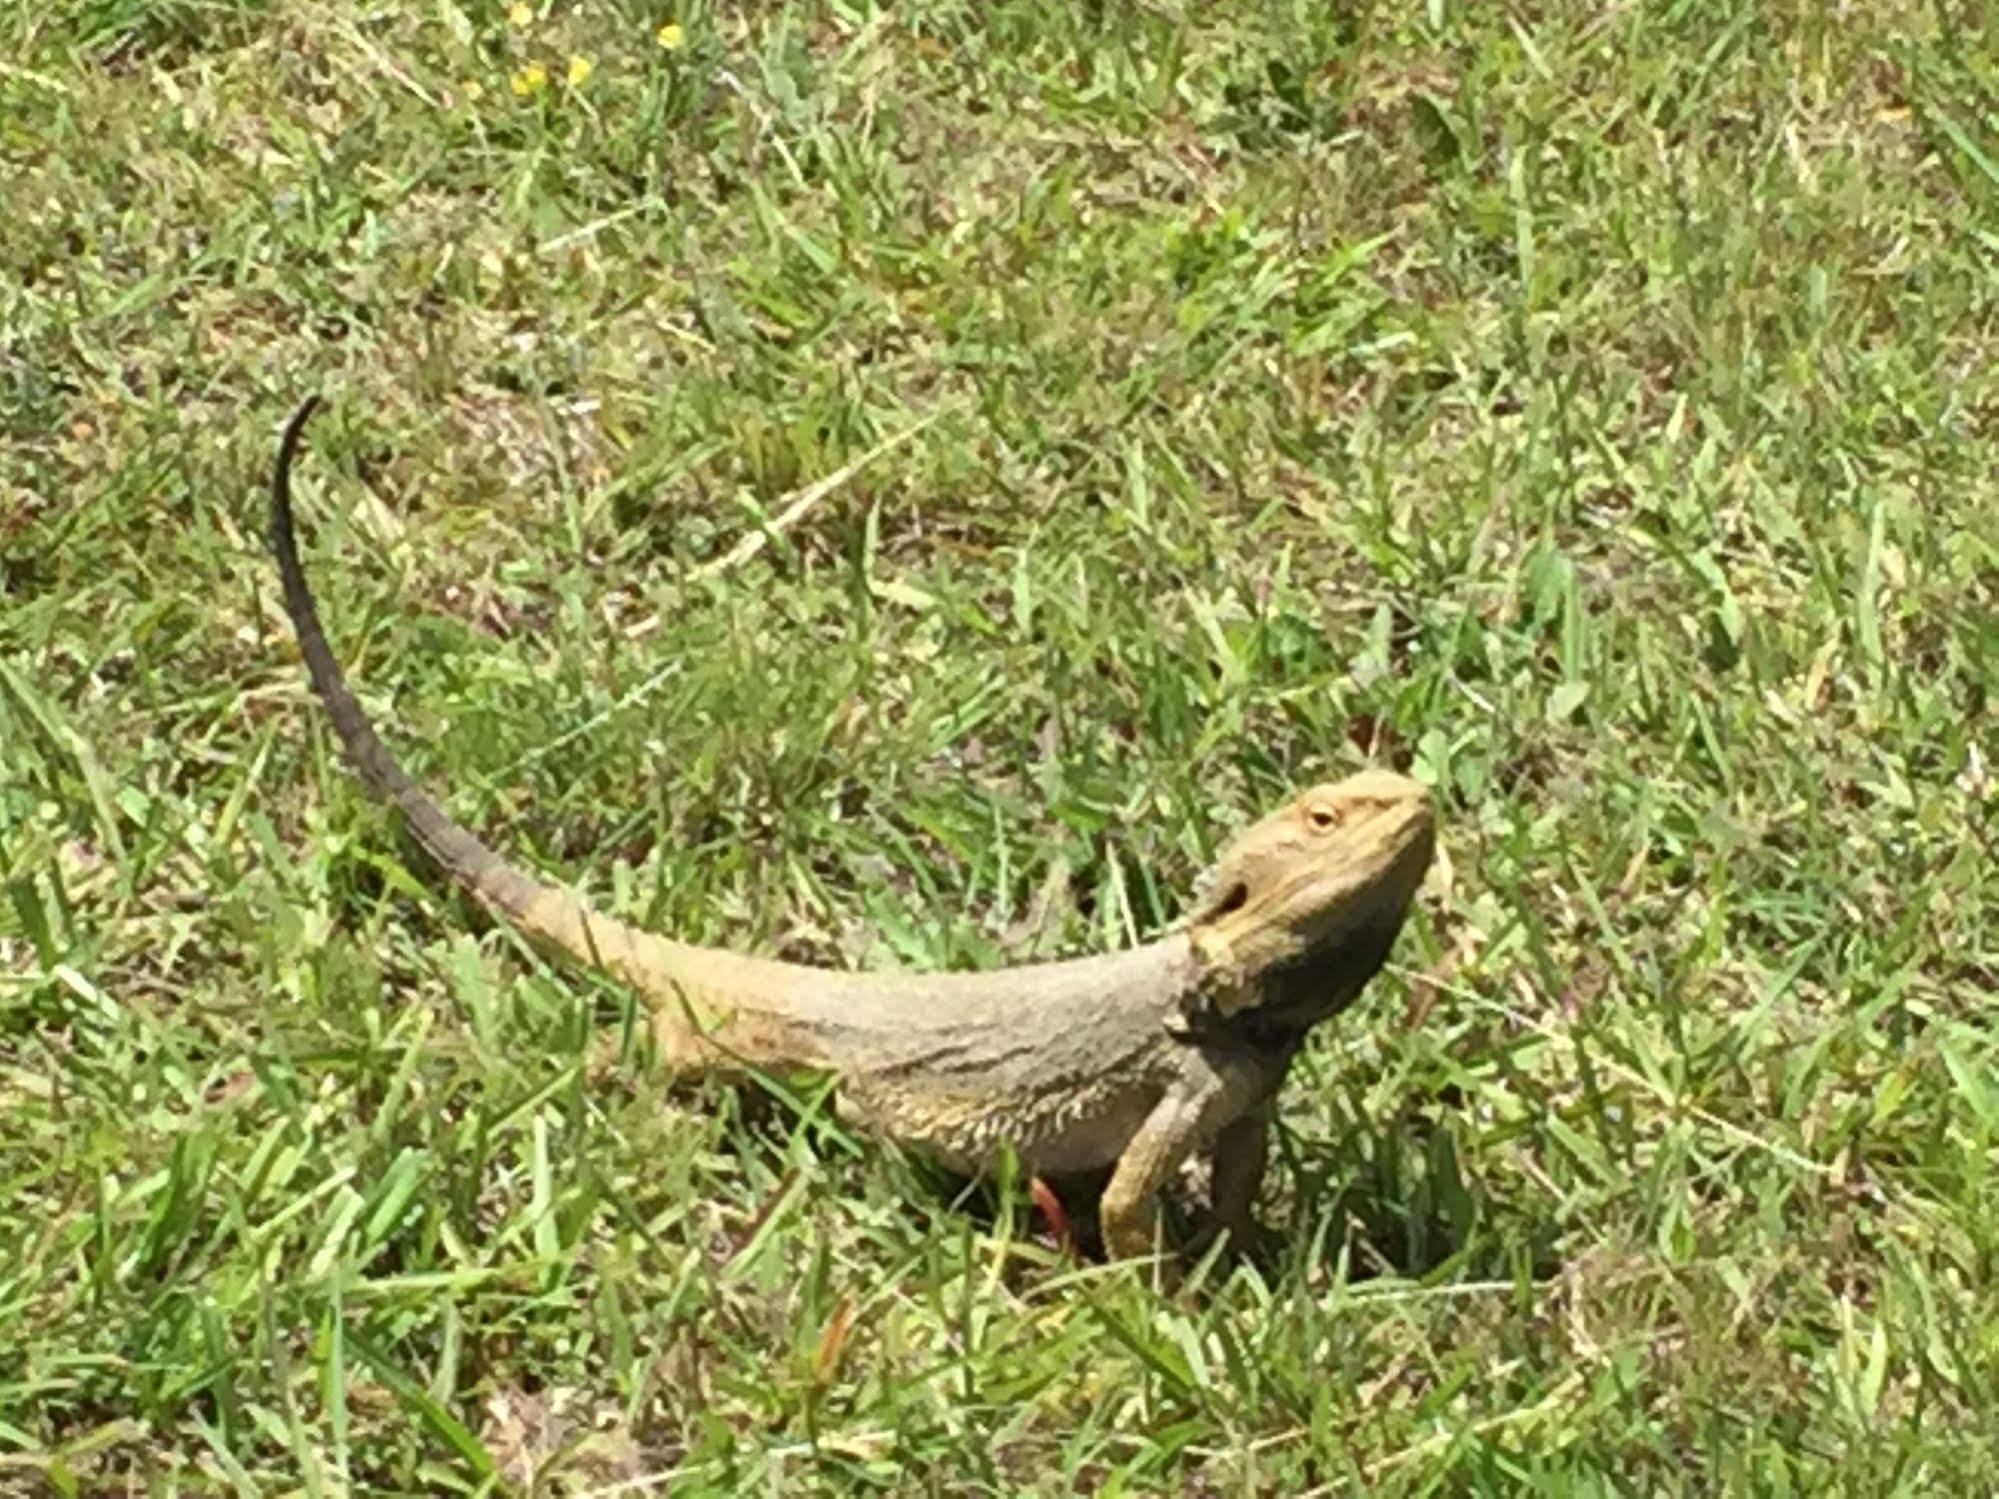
x=1068, y=1054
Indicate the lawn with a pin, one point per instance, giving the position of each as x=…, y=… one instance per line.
x=900, y=484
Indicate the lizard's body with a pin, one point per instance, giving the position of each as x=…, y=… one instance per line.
x=1132, y=1059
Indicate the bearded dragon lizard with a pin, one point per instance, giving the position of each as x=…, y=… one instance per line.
x=1132, y=1060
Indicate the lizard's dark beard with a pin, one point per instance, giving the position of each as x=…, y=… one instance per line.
x=1299, y=995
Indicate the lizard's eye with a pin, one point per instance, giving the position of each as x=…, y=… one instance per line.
x=1323, y=817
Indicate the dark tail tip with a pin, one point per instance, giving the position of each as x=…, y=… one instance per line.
x=281, y=476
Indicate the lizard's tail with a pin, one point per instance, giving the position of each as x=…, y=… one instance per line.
x=538, y=908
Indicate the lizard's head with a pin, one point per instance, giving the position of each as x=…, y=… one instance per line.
x=1301, y=908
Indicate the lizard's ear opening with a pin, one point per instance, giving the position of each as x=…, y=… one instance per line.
x=1213, y=899
x=1232, y=899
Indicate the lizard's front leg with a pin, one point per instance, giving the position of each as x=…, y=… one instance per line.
x=1242, y=1151
x=1211, y=1093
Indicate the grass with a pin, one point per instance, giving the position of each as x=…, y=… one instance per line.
x=1591, y=408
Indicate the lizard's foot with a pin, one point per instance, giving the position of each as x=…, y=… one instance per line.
x=1242, y=1239
x=1131, y=1231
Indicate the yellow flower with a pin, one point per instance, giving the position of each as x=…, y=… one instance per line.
x=531, y=79
x=520, y=13
x=579, y=69
x=474, y=89
x=671, y=35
